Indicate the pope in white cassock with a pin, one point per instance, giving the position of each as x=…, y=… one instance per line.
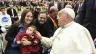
x=70, y=37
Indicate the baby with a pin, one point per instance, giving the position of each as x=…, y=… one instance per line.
x=29, y=35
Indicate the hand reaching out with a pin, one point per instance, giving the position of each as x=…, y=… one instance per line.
x=95, y=40
x=38, y=35
x=18, y=42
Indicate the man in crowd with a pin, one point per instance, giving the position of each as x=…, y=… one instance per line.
x=55, y=3
x=43, y=27
x=13, y=14
x=5, y=19
x=52, y=17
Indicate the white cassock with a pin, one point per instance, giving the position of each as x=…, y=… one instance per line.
x=72, y=39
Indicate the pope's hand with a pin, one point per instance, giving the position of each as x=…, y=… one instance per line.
x=95, y=40
x=18, y=42
x=38, y=35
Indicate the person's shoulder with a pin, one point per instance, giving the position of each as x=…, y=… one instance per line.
x=8, y=15
x=51, y=2
x=48, y=18
x=15, y=25
x=0, y=15
x=35, y=20
x=80, y=27
x=58, y=29
x=9, y=9
x=24, y=33
x=14, y=9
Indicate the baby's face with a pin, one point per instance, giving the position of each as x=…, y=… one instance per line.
x=30, y=30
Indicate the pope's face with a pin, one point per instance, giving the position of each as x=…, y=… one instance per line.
x=61, y=19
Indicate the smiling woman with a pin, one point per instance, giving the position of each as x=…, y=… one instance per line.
x=15, y=29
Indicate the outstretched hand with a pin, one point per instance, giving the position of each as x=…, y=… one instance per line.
x=95, y=40
x=38, y=35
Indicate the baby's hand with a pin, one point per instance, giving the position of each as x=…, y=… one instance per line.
x=35, y=42
x=18, y=42
x=32, y=37
x=25, y=41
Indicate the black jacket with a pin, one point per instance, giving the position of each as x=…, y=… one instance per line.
x=52, y=4
x=0, y=30
x=53, y=28
x=87, y=16
x=44, y=29
x=12, y=32
x=10, y=12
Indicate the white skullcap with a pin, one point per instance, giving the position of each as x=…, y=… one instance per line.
x=70, y=12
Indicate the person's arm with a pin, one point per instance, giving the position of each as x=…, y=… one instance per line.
x=35, y=41
x=82, y=42
x=48, y=41
x=44, y=40
x=25, y=41
x=10, y=22
x=91, y=41
x=15, y=12
x=0, y=30
x=19, y=37
x=11, y=33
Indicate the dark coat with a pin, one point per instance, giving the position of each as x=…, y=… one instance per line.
x=52, y=4
x=23, y=3
x=53, y=28
x=10, y=12
x=15, y=18
x=44, y=29
x=87, y=16
x=0, y=30
x=76, y=6
x=11, y=33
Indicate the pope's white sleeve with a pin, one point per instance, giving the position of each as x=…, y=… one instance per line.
x=49, y=41
x=46, y=41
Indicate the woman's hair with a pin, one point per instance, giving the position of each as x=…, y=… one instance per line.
x=23, y=15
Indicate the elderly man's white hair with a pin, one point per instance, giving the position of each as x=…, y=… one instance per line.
x=69, y=11
x=53, y=7
x=68, y=6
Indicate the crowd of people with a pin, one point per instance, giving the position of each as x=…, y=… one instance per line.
x=47, y=27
